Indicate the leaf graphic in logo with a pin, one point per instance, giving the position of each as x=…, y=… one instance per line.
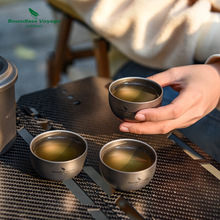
x=34, y=13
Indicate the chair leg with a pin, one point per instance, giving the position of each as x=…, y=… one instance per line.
x=57, y=60
x=101, y=55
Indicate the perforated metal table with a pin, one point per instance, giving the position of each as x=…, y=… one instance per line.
x=181, y=188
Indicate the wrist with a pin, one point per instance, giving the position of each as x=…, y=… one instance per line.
x=216, y=66
x=214, y=62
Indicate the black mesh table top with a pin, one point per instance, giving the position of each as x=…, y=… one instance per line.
x=182, y=187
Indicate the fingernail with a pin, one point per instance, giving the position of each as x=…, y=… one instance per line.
x=124, y=129
x=140, y=117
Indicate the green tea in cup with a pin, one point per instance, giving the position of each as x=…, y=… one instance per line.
x=59, y=149
x=128, y=159
x=135, y=92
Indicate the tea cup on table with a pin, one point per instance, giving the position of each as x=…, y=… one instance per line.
x=127, y=164
x=58, y=155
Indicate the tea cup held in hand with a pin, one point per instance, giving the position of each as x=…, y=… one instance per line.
x=58, y=155
x=129, y=95
x=127, y=164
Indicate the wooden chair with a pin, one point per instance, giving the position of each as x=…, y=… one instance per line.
x=63, y=55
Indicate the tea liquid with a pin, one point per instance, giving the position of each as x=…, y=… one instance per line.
x=128, y=159
x=59, y=149
x=134, y=92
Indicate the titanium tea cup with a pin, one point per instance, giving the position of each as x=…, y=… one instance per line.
x=129, y=95
x=127, y=164
x=58, y=155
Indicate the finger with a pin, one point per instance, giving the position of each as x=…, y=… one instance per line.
x=145, y=127
x=168, y=77
x=160, y=127
x=174, y=110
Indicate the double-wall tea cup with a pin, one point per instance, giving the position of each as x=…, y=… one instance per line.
x=127, y=164
x=129, y=95
x=58, y=155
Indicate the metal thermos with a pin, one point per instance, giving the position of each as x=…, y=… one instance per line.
x=8, y=77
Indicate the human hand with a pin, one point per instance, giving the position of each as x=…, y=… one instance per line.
x=199, y=94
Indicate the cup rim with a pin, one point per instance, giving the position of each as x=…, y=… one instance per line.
x=59, y=131
x=141, y=78
x=128, y=139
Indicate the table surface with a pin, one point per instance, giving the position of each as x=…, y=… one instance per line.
x=181, y=188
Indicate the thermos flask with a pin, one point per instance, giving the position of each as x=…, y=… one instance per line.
x=8, y=77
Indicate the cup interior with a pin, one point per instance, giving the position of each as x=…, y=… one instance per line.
x=128, y=155
x=135, y=89
x=58, y=146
